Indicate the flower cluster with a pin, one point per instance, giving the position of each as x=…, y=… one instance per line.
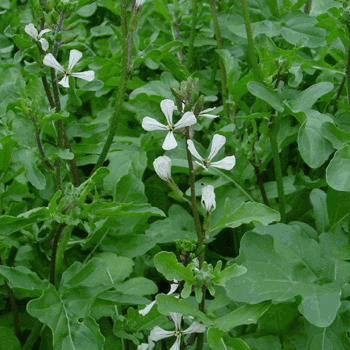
x=158, y=333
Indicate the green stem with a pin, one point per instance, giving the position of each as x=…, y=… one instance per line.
x=222, y=174
x=192, y=34
x=348, y=72
x=221, y=62
x=61, y=250
x=251, y=48
x=122, y=87
x=195, y=212
x=273, y=130
x=58, y=233
x=307, y=7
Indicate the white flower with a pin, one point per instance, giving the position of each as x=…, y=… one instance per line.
x=204, y=113
x=31, y=30
x=162, y=166
x=74, y=57
x=148, y=308
x=139, y=3
x=218, y=141
x=208, y=198
x=167, y=107
x=158, y=333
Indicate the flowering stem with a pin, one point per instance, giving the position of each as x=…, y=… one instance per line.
x=261, y=184
x=122, y=87
x=61, y=250
x=194, y=201
x=42, y=152
x=307, y=7
x=58, y=233
x=192, y=34
x=251, y=48
x=273, y=130
x=221, y=63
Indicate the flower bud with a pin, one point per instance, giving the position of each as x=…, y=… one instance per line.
x=162, y=166
x=208, y=199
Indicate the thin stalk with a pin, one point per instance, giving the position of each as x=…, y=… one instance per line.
x=273, y=130
x=195, y=212
x=221, y=63
x=61, y=250
x=237, y=185
x=192, y=34
x=42, y=151
x=200, y=235
x=261, y=184
x=307, y=7
x=122, y=87
x=47, y=91
x=59, y=231
x=348, y=72
x=251, y=48
x=36, y=329
x=177, y=37
x=13, y=307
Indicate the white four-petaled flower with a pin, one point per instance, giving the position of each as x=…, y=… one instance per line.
x=32, y=31
x=162, y=166
x=139, y=3
x=74, y=57
x=167, y=107
x=158, y=333
x=218, y=141
x=208, y=198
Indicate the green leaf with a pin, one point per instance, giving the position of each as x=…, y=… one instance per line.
x=337, y=172
x=166, y=263
x=318, y=200
x=338, y=204
x=336, y=136
x=168, y=303
x=246, y=213
x=277, y=274
x=304, y=100
x=23, y=280
x=67, y=315
x=34, y=175
x=10, y=224
x=247, y=314
x=261, y=91
x=8, y=339
x=313, y=147
x=228, y=273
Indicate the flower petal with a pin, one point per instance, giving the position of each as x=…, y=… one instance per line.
x=173, y=287
x=158, y=333
x=43, y=32
x=187, y=119
x=162, y=166
x=64, y=82
x=87, y=75
x=147, y=309
x=44, y=44
x=167, y=106
x=143, y=346
x=204, y=113
x=51, y=61
x=217, y=143
x=176, y=345
x=227, y=163
x=169, y=142
x=150, y=124
x=193, y=150
x=177, y=317
x=74, y=57
x=195, y=327
x=31, y=30
x=208, y=198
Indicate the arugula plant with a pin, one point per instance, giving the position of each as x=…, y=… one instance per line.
x=174, y=174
